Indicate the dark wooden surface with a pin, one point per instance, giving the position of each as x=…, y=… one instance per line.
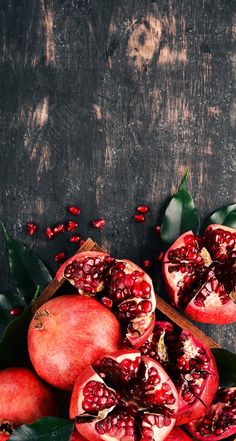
x=105, y=103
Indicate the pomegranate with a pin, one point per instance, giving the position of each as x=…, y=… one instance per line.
x=219, y=421
x=191, y=366
x=124, y=396
x=120, y=285
x=200, y=274
x=23, y=399
x=68, y=333
x=177, y=435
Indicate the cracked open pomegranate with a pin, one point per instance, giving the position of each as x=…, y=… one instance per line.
x=124, y=397
x=68, y=333
x=200, y=274
x=219, y=421
x=190, y=364
x=23, y=399
x=177, y=435
x=120, y=285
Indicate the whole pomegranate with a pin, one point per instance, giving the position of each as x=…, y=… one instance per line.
x=68, y=333
x=177, y=435
x=219, y=421
x=23, y=399
x=191, y=366
x=120, y=285
x=124, y=396
x=200, y=274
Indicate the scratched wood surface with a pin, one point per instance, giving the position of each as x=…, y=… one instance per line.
x=105, y=104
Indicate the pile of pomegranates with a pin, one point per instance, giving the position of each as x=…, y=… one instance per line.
x=131, y=378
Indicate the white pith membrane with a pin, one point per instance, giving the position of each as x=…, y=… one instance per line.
x=141, y=398
x=120, y=285
x=219, y=421
x=200, y=269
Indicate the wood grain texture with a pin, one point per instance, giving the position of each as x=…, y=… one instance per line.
x=105, y=104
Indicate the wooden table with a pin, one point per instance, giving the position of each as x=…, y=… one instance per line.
x=105, y=103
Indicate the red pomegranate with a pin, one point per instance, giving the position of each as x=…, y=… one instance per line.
x=191, y=366
x=23, y=399
x=120, y=285
x=200, y=274
x=219, y=421
x=177, y=435
x=68, y=333
x=126, y=397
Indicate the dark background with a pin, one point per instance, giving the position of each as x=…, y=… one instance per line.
x=104, y=104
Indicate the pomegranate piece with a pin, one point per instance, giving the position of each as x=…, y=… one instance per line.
x=31, y=228
x=139, y=218
x=129, y=290
x=71, y=225
x=219, y=421
x=124, y=396
x=59, y=257
x=23, y=399
x=74, y=210
x=98, y=223
x=177, y=435
x=63, y=324
x=200, y=274
x=49, y=233
x=143, y=209
x=191, y=366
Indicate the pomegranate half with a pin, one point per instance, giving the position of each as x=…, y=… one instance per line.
x=120, y=285
x=219, y=421
x=126, y=397
x=191, y=366
x=200, y=274
x=67, y=334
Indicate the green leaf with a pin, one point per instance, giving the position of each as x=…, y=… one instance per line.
x=27, y=269
x=45, y=429
x=226, y=364
x=224, y=216
x=13, y=345
x=180, y=216
x=9, y=301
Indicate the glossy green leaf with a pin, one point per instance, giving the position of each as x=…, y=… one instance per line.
x=226, y=364
x=224, y=216
x=13, y=345
x=180, y=216
x=45, y=429
x=27, y=269
x=8, y=302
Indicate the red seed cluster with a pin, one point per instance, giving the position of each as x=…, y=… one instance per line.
x=142, y=210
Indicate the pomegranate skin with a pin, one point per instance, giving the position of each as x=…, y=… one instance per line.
x=72, y=333
x=23, y=397
x=178, y=435
x=75, y=436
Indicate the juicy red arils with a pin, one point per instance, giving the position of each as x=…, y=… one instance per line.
x=59, y=257
x=74, y=239
x=143, y=209
x=139, y=218
x=74, y=210
x=15, y=312
x=31, y=228
x=59, y=229
x=49, y=233
x=98, y=223
x=71, y=225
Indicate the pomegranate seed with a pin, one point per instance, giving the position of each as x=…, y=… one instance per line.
x=49, y=233
x=74, y=210
x=31, y=228
x=143, y=209
x=74, y=239
x=98, y=223
x=59, y=229
x=71, y=225
x=107, y=302
x=59, y=257
x=147, y=263
x=139, y=218
x=157, y=230
x=16, y=311
x=160, y=257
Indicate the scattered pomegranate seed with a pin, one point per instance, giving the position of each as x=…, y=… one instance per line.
x=16, y=311
x=107, y=302
x=59, y=257
x=71, y=225
x=81, y=242
x=160, y=257
x=49, y=233
x=98, y=223
x=74, y=210
x=74, y=239
x=158, y=230
x=147, y=263
x=31, y=228
x=143, y=209
x=139, y=218
x=59, y=229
